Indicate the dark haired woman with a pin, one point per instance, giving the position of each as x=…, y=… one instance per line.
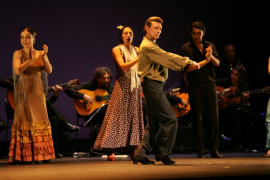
x=31, y=138
x=123, y=127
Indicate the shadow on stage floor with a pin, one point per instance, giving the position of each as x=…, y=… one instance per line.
x=188, y=166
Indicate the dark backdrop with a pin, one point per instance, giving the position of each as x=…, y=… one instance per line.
x=80, y=35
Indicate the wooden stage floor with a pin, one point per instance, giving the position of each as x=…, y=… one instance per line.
x=188, y=166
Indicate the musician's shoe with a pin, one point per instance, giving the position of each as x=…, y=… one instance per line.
x=165, y=160
x=142, y=160
x=72, y=128
x=201, y=153
x=225, y=138
x=2, y=126
x=216, y=154
x=46, y=161
x=95, y=154
x=58, y=155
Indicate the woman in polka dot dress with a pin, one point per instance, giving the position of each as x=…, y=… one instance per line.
x=123, y=126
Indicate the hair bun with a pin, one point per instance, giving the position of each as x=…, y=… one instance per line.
x=120, y=27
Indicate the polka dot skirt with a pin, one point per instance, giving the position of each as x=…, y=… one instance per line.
x=123, y=125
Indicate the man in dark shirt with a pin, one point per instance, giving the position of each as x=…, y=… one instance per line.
x=237, y=118
x=101, y=81
x=102, y=78
x=202, y=90
x=229, y=62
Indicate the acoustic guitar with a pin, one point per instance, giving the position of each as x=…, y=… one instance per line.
x=100, y=96
x=181, y=110
x=71, y=83
x=234, y=95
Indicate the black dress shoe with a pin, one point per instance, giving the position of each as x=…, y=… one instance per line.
x=58, y=155
x=72, y=128
x=46, y=161
x=215, y=154
x=201, y=155
x=2, y=126
x=165, y=160
x=142, y=160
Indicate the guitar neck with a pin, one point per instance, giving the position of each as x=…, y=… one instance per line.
x=223, y=92
x=173, y=92
x=106, y=97
x=64, y=85
x=220, y=93
x=258, y=91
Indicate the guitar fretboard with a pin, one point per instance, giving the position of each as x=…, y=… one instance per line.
x=258, y=91
x=64, y=85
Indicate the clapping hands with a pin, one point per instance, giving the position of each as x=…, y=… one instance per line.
x=209, y=51
x=45, y=50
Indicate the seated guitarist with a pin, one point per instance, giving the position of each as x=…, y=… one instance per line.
x=180, y=99
x=236, y=116
x=237, y=82
x=101, y=80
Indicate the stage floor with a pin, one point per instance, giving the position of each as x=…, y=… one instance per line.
x=232, y=166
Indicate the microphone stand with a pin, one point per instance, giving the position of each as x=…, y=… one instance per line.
x=85, y=124
x=77, y=154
